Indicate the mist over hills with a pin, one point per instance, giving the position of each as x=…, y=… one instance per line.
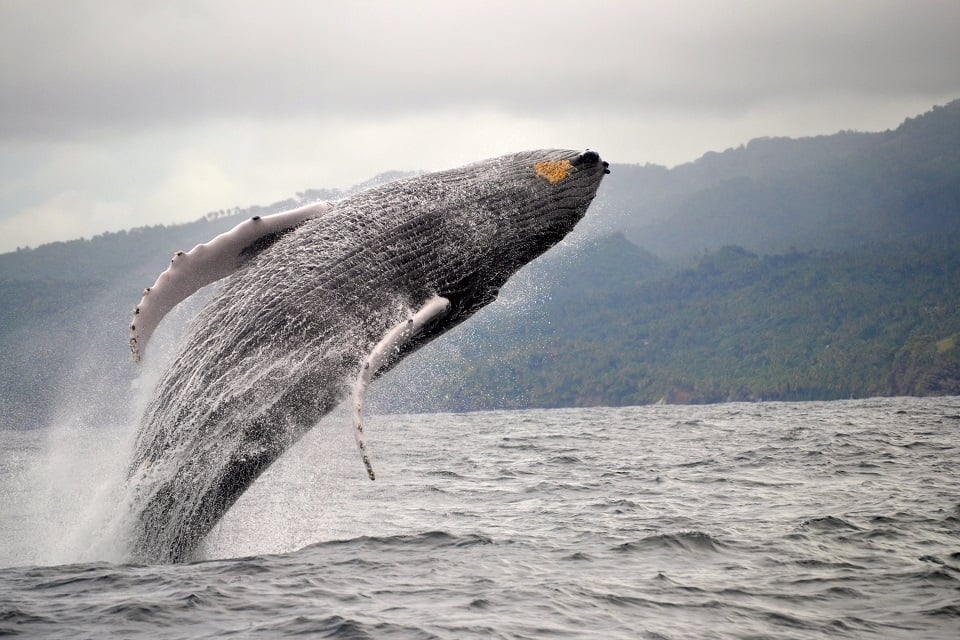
x=822, y=267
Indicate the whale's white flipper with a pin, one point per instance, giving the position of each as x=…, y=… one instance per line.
x=388, y=347
x=206, y=263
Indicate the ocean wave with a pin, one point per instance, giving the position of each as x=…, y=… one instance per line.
x=685, y=541
x=571, y=535
x=425, y=540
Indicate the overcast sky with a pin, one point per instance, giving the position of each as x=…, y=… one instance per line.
x=121, y=114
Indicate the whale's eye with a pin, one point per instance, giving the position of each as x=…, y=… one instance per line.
x=553, y=171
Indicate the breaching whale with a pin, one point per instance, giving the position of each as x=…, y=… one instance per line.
x=316, y=302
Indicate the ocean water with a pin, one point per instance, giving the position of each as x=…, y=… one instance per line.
x=767, y=520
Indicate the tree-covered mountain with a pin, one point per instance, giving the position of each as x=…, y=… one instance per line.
x=880, y=320
x=794, y=269
x=827, y=192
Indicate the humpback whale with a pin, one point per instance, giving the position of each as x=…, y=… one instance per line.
x=315, y=303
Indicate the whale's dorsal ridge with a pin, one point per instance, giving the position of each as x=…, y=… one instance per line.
x=208, y=262
x=382, y=353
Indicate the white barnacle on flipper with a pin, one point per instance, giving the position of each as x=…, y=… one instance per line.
x=204, y=264
x=388, y=347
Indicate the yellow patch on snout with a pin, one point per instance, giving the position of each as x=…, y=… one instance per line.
x=553, y=171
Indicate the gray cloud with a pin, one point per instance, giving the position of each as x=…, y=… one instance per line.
x=122, y=113
x=90, y=66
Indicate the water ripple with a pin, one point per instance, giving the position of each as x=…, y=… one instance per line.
x=792, y=520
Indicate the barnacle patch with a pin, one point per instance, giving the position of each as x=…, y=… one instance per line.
x=553, y=171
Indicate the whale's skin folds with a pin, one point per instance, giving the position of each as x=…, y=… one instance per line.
x=279, y=344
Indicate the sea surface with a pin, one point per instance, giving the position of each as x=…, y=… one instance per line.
x=766, y=520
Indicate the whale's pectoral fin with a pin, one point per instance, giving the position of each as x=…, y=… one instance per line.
x=207, y=263
x=387, y=349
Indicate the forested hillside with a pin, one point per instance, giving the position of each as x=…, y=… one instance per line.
x=774, y=195
x=881, y=320
x=784, y=269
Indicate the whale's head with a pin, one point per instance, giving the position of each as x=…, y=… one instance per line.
x=521, y=205
x=556, y=187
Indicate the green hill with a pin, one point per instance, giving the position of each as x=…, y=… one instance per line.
x=883, y=320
